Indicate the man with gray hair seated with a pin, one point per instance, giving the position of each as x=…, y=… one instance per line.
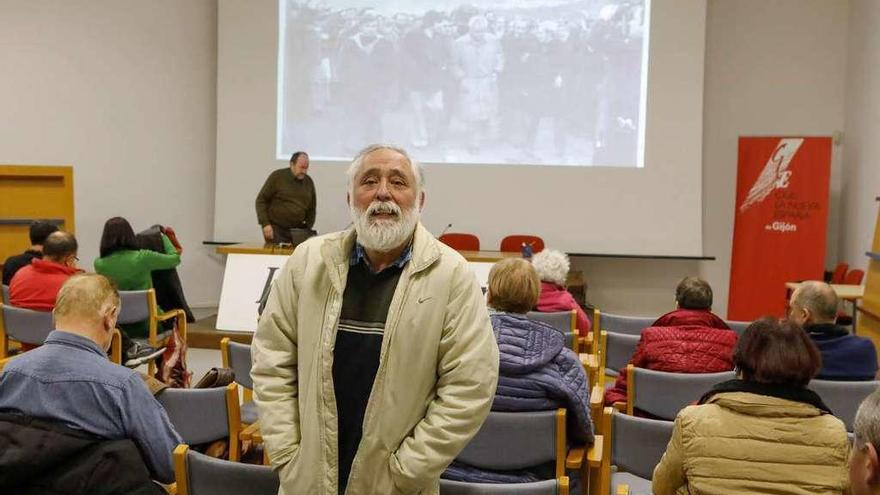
x=844, y=357
x=864, y=464
x=61, y=405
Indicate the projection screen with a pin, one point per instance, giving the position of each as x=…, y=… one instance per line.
x=586, y=172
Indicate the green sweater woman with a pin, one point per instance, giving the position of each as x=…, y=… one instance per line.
x=129, y=266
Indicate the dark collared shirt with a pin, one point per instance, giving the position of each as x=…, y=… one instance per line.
x=360, y=254
x=70, y=380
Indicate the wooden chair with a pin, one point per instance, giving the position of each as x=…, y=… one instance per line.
x=237, y=357
x=547, y=487
x=843, y=398
x=738, y=326
x=202, y=415
x=635, y=446
x=513, y=243
x=198, y=474
x=140, y=305
x=519, y=440
x=5, y=289
x=619, y=349
x=663, y=394
x=461, y=241
x=25, y=326
x=630, y=325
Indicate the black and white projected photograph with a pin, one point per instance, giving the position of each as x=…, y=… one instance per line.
x=540, y=82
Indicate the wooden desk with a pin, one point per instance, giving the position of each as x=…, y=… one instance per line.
x=844, y=292
x=254, y=248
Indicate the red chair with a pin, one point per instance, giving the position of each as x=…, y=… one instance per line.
x=513, y=243
x=461, y=242
x=854, y=277
x=839, y=273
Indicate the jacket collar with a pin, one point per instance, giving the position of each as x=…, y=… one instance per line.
x=826, y=330
x=802, y=395
x=337, y=248
x=61, y=337
x=45, y=266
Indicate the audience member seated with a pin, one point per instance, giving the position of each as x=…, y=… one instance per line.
x=552, y=267
x=537, y=371
x=690, y=339
x=864, y=471
x=36, y=286
x=70, y=381
x=763, y=432
x=130, y=268
x=38, y=233
x=844, y=356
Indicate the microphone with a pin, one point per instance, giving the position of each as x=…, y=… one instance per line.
x=444, y=230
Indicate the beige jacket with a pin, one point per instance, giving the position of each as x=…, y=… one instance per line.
x=438, y=368
x=741, y=443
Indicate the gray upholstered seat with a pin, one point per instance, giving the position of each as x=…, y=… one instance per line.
x=249, y=413
x=26, y=325
x=240, y=362
x=548, y=487
x=198, y=414
x=560, y=320
x=512, y=440
x=738, y=326
x=843, y=398
x=5, y=294
x=209, y=476
x=664, y=394
x=632, y=325
x=619, y=349
x=637, y=444
x=134, y=306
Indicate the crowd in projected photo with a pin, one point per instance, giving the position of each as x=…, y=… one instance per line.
x=547, y=82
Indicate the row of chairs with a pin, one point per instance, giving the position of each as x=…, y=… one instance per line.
x=510, y=244
x=32, y=327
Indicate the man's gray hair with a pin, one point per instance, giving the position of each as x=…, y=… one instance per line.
x=358, y=161
x=819, y=298
x=866, y=427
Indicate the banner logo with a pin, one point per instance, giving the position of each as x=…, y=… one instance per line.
x=775, y=174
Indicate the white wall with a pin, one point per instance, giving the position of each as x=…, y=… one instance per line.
x=862, y=146
x=123, y=90
x=773, y=67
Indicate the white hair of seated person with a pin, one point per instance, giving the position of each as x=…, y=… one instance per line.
x=552, y=266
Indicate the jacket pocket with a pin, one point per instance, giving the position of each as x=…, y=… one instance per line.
x=287, y=471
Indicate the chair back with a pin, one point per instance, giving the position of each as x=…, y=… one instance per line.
x=514, y=440
x=513, y=243
x=843, y=398
x=839, y=273
x=854, y=277
x=632, y=325
x=637, y=444
x=135, y=306
x=738, y=326
x=240, y=362
x=461, y=241
x=564, y=321
x=619, y=349
x=547, y=487
x=210, y=476
x=26, y=325
x=5, y=294
x=198, y=414
x=664, y=394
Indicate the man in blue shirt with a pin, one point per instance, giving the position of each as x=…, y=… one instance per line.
x=844, y=356
x=69, y=379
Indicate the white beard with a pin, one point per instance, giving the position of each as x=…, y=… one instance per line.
x=381, y=234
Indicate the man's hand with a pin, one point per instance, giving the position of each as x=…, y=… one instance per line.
x=268, y=233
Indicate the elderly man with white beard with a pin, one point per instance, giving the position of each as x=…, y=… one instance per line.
x=374, y=360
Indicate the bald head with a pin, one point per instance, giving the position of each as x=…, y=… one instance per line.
x=60, y=247
x=814, y=302
x=88, y=305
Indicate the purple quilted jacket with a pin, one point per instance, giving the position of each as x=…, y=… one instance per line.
x=537, y=372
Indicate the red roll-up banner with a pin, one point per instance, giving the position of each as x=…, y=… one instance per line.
x=781, y=221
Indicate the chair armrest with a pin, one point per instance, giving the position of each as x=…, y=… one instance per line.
x=248, y=433
x=594, y=454
x=575, y=458
x=170, y=489
x=597, y=397
x=174, y=313
x=620, y=406
x=622, y=489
